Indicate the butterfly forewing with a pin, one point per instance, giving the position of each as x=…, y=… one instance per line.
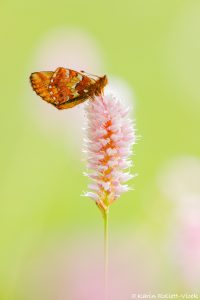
x=40, y=82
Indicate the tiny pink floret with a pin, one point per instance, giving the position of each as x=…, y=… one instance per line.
x=109, y=138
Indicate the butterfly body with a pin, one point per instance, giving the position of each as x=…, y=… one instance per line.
x=66, y=88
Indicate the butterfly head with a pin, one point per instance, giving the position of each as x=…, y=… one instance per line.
x=101, y=83
x=104, y=81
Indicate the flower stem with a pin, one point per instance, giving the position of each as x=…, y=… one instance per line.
x=106, y=254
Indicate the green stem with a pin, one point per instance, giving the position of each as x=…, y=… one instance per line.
x=106, y=254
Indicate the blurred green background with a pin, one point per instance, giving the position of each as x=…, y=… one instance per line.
x=154, y=46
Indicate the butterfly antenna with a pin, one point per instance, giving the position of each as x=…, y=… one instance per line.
x=89, y=74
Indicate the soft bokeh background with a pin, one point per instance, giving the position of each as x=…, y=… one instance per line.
x=50, y=237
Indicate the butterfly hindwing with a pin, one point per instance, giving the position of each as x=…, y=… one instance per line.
x=68, y=84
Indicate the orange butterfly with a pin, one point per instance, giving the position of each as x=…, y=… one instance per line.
x=66, y=88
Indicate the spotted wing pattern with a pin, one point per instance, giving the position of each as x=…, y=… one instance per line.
x=67, y=84
x=66, y=88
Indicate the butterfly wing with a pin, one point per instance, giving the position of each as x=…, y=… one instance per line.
x=69, y=87
x=40, y=82
x=63, y=88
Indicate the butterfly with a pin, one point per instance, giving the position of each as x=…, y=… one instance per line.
x=66, y=88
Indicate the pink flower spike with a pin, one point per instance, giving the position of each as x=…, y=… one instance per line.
x=109, y=138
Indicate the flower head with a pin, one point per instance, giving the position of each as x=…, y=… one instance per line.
x=110, y=136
